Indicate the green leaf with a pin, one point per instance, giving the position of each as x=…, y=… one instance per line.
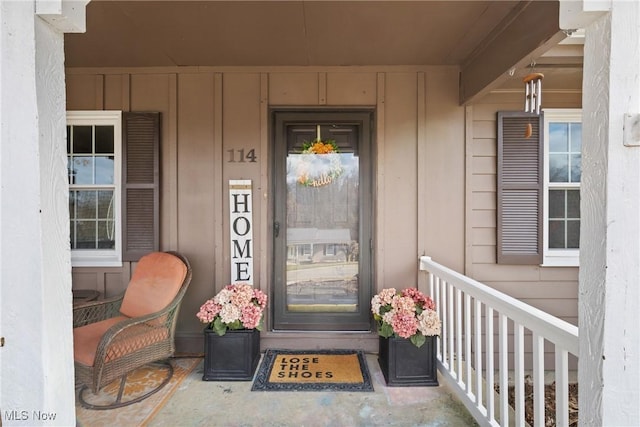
x=385, y=330
x=385, y=309
x=219, y=327
x=236, y=324
x=418, y=340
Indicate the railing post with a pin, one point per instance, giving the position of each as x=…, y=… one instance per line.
x=519, y=373
x=445, y=324
x=478, y=341
x=538, y=380
x=436, y=298
x=459, y=354
x=490, y=365
x=562, y=388
x=503, y=366
x=451, y=337
x=467, y=341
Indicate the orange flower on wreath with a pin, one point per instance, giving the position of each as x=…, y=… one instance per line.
x=319, y=171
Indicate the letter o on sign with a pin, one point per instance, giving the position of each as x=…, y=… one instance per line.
x=241, y=223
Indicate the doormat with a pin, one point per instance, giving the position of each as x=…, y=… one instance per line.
x=138, y=382
x=313, y=370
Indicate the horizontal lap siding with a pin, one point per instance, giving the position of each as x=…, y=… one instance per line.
x=552, y=289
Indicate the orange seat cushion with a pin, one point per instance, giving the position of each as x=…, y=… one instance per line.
x=155, y=283
x=87, y=338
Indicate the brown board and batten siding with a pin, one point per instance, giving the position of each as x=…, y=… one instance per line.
x=551, y=289
x=207, y=114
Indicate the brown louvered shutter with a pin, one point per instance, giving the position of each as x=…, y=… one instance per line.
x=140, y=184
x=520, y=168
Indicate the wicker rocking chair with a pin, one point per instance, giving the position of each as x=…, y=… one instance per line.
x=115, y=336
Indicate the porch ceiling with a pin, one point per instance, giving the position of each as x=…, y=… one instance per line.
x=471, y=34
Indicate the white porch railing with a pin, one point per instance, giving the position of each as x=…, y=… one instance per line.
x=468, y=310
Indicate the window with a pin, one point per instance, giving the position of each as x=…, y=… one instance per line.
x=305, y=250
x=330, y=249
x=114, y=186
x=562, y=173
x=93, y=162
x=538, y=187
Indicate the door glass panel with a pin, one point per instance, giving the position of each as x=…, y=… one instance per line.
x=322, y=271
x=322, y=219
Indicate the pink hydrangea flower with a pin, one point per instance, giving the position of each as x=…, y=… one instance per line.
x=404, y=304
x=238, y=305
x=386, y=295
x=404, y=324
x=251, y=315
x=405, y=314
x=420, y=298
x=260, y=297
x=208, y=311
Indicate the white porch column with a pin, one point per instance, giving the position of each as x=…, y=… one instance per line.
x=609, y=304
x=36, y=360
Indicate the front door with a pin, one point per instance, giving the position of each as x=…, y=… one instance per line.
x=322, y=220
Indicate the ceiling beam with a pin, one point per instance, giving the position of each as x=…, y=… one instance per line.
x=530, y=30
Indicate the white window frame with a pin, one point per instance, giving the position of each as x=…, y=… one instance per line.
x=556, y=257
x=103, y=257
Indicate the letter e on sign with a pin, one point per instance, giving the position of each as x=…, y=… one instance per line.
x=241, y=231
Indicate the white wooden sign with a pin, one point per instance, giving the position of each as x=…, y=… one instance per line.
x=241, y=231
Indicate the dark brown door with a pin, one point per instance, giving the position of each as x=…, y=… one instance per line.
x=322, y=220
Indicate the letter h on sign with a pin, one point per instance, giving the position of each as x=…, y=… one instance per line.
x=241, y=231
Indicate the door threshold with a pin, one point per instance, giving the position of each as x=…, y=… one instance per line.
x=316, y=308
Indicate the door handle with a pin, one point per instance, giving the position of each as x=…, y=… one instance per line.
x=276, y=229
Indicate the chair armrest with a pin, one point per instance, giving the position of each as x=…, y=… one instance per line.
x=95, y=311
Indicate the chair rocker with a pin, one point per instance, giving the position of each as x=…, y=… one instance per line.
x=116, y=336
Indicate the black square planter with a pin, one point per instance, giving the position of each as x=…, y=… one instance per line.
x=233, y=356
x=404, y=364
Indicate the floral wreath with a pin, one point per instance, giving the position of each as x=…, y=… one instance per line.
x=321, y=165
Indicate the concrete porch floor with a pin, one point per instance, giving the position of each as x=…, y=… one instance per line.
x=213, y=403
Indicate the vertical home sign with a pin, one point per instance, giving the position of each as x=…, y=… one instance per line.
x=241, y=231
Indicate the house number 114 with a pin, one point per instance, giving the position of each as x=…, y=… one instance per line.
x=240, y=156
